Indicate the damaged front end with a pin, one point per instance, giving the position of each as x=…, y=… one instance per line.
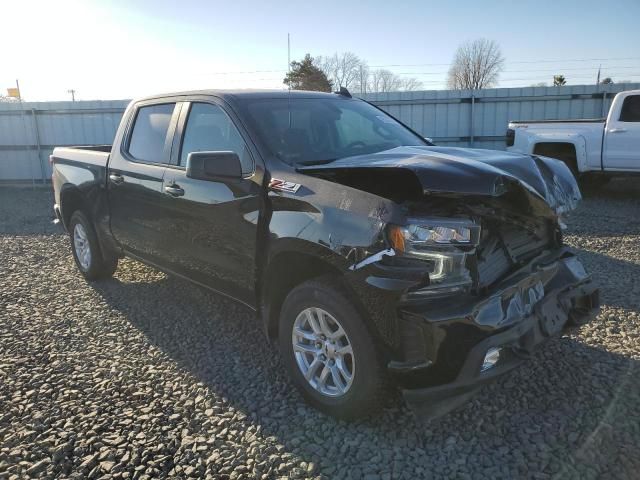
x=485, y=301
x=476, y=275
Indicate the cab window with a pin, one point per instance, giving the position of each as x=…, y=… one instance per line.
x=150, y=133
x=631, y=109
x=209, y=129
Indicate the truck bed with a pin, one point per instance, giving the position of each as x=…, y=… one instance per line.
x=579, y=120
x=90, y=154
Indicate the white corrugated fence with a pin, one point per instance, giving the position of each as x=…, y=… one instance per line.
x=30, y=131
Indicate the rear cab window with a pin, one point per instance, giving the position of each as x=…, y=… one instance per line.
x=630, y=109
x=149, y=133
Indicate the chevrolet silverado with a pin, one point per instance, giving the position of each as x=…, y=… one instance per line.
x=594, y=150
x=373, y=259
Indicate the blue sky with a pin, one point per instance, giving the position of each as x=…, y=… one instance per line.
x=120, y=49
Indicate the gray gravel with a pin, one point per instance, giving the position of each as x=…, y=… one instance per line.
x=147, y=376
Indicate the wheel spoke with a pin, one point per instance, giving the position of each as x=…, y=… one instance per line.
x=339, y=333
x=337, y=379
x=323, y=323
x=322, y=381
x=307, y=335
x=304, y=348
x=313, y=368
x=345, y=350
x=344, y=371
x=313, y=322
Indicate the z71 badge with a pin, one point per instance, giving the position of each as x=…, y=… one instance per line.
x=283, y=185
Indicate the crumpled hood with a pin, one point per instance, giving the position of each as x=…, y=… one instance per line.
x=466, y=171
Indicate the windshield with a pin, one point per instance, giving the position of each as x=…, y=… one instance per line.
x=306, y=131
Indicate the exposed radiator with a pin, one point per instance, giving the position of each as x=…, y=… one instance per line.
x=507, y=248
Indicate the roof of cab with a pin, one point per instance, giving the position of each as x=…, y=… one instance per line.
x=240, y=94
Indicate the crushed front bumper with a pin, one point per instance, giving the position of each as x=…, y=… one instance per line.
x=516, y=316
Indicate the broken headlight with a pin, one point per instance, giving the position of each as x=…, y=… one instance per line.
x=442, y=246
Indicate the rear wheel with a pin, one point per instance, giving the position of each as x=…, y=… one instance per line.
x=86, y=250
x=329, y=353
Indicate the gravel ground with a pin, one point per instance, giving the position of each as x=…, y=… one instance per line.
x=147, y=376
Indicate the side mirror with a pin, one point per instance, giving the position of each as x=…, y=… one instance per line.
x=214, y=166
x=429, y=140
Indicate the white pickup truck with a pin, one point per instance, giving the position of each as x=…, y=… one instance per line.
x=595, y=149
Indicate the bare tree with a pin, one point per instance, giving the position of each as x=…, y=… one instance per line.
x=350, y=71
x=477, y=64
x=384, y=81
x=342, y=70
x=410, y=84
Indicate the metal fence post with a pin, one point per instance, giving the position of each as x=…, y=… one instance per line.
x=23, y=117
x=36, y=131
x=471, y=129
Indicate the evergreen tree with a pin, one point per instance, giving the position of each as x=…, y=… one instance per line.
x=304, y=75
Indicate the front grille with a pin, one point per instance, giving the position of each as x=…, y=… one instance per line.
x=493, y=262
x=504, y=248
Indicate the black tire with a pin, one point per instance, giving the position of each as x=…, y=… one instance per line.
x=97, y=266
x=368, y=390
x=590, y=183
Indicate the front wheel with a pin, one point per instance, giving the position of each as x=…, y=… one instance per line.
x=329, y=353
x=86, y=251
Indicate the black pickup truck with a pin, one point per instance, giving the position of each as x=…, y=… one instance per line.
x=372, y=257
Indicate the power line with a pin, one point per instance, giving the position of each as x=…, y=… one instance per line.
x=526, y=71
x=509, y=63
x=573, y=76
x=242, y=72
x=533, y=79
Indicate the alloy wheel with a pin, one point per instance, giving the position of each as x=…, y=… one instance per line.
x=82, y=247
x=323, y=352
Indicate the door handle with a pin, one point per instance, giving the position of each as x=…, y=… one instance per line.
x=116, y=178
x=617, y=130
x=174, y=190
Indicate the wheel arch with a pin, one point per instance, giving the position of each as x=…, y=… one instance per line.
x=285, y=270
x=289, y=263
x=569, y=149
x=72, y=199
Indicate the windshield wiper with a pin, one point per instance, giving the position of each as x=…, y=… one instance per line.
x=317, y=162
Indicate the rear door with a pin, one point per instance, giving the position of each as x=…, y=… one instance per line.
x=211, y=226
x=135, y=178
x=622, y=136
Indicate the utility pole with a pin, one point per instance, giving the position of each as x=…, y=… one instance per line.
x=73, y=94
x=288, y=52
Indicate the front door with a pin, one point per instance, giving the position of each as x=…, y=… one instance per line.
x=211, y=226
x=135, y=180
x=622, y=137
